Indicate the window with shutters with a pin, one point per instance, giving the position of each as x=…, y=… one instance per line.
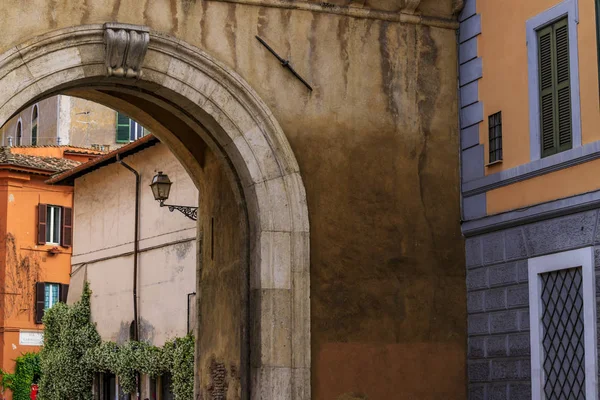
x=47, y=294
x=128, y=130
x=562, y=305
x=553, y=82
x=495, y=137
x=122, y=128
x=34, y=126
x=554, y=88
x=55, y=225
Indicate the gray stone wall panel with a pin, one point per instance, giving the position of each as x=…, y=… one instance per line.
x=514, y=244
x=496, y=346
x=504, y=322
x=479, y=371
x=519, y=344
x=564, y=233
x=495, y=299
x=505, y=370
x=517, y=296
x=473, y=255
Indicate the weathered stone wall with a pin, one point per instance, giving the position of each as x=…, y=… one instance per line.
x=498, y=299
x=223, y=294
x=376, y=144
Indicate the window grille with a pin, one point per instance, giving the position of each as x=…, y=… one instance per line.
x=495, y=128
x=563, y=344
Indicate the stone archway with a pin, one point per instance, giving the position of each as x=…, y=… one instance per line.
x=227, y=115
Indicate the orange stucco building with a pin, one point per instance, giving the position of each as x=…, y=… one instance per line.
x=35, y=258
x=530, y=152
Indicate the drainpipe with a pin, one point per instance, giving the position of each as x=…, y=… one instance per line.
x=136, y=249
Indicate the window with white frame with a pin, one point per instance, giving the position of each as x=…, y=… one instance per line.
x=562, y=314
x=553, y=76
x=53, y=224
x=51, y=295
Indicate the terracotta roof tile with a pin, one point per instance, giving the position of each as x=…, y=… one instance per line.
x=50, y=164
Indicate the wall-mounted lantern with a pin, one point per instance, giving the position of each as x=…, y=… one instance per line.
x=161, y=187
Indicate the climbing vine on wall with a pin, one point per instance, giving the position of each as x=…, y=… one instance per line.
x=27, y=372
x=71, y=340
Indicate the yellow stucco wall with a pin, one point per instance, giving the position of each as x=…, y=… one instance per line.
x=504, y=87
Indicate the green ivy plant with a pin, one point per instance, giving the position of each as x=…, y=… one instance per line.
x=68, y=335
x=72, y=340
x=27, y=372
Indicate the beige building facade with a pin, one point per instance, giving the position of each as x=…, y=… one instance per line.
x=103, y=246
x=66, y=120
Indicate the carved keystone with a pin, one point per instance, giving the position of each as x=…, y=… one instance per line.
x=126, y=47
x=410, y=6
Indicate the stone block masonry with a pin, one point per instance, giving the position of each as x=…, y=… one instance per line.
x=498, y=299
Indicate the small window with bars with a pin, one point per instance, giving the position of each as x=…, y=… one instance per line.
x=495, y=130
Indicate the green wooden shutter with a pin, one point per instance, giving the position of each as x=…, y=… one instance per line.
x=555, y=92
x=563, y=86
x=123, y=122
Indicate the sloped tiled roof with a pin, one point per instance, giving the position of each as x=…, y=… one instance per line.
x=68, y=177
x=50, y=165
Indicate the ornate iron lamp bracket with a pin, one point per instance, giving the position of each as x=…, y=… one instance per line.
x=190, y=212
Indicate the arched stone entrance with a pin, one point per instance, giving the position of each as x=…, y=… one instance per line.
x=190, y=101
